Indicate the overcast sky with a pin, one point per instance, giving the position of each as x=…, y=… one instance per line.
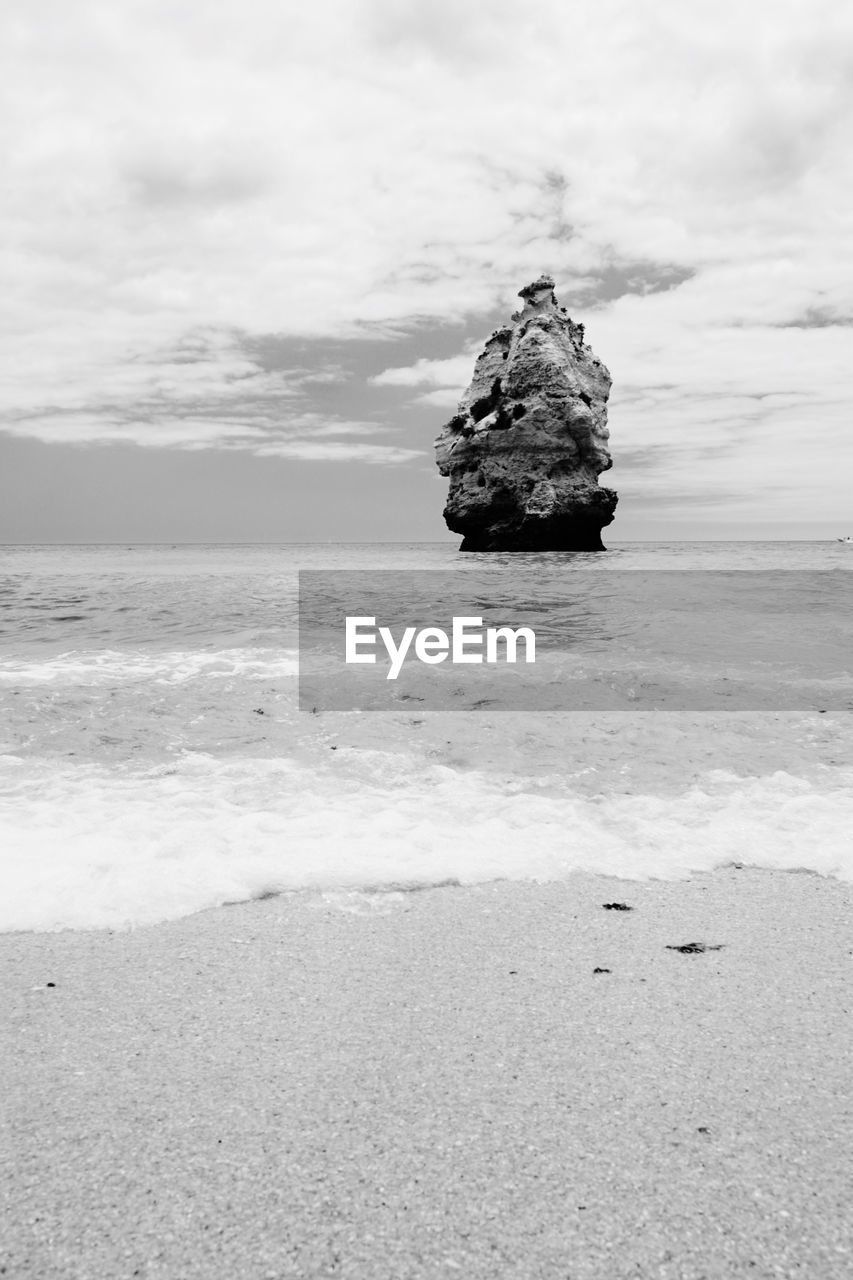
x=251, y=249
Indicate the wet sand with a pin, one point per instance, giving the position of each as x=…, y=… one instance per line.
x=439, y=1083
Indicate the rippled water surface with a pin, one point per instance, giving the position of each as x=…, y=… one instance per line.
x=154, y=761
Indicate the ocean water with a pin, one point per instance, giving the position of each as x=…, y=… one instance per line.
x=154, y=762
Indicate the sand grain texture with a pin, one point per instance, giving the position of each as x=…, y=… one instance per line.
x=437, y=1083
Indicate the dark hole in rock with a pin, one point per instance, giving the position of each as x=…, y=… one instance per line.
x=519, y=410
x=485, y=404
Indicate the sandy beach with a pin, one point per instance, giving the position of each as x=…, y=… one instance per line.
x=434, y=1083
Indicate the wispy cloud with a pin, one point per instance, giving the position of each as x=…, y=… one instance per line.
x=455, y=372
x=446, y=379
x=159, y=427
x=205, y=392
x=339, y=451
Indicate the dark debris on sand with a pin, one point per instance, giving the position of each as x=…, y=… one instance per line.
x=694, y=948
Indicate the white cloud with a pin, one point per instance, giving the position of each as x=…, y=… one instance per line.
x=339, y=451
x=441, y=398
x=360, y=165
x=302, y=435
x=447, y=379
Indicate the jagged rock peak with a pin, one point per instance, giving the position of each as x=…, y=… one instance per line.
x=527, y=444
x=545, y=282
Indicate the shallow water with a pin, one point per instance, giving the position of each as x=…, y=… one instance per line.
x=153, y=760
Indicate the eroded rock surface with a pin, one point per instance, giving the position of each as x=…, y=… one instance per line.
x=529, y=440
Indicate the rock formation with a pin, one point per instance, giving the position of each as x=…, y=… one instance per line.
x=527, y=444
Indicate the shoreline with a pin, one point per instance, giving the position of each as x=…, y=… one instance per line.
x=413, y=1084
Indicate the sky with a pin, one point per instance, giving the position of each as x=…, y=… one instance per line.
x=251, y=251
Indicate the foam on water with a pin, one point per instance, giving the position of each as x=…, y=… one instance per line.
x=96, y=846
x=117, y=666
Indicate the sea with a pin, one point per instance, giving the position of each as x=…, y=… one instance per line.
x=155, y=762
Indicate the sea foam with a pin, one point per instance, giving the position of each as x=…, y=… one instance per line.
x=104, y=846
x=119, y=666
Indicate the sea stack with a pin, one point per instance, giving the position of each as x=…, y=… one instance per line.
x=528, y=442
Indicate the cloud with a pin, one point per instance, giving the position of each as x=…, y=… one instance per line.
x=300, y=436
x=432, y=373
x=441, y=398
x=356, y=168
x=204, y=392
x=339, y=451
x=447, y=379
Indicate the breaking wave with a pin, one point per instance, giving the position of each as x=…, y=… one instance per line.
x=106, y=846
